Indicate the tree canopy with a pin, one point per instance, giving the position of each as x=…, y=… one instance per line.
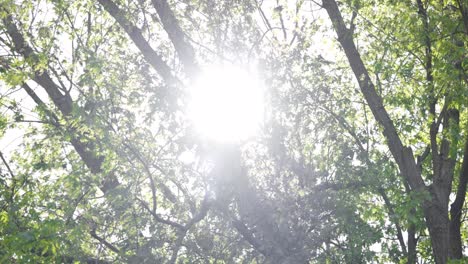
x=358, y=150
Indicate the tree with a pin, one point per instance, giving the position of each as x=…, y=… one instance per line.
x=100, y=176
x=445, y=233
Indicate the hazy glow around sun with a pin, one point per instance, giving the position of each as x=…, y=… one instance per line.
x=226, y=103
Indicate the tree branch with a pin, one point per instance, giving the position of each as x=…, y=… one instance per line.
x=135, y=34
x=463, y=7
x=381, y=191
x=393, y=217
x=7, y=165
x=457, y=205
x=104, y=242
x=63, y=102
x=176, y=35
x=160, y=219
x=247, y=234
x=402, y=155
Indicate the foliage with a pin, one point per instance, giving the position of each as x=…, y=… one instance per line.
x=98, y=175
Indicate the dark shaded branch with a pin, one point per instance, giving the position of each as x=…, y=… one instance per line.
x=63, y=101
x=248, y=235
x=352, y=23
x=264, y=17
x=423, y=156
x=104, y=242
x=451, y=119
x=412, y=241
x=13, y=179
x=434, y=128
x=279, y=9
x=159, y=219
x=7, y=165
x=177, y=246
x=457, y=206
x=347, y=127
x=176, y=35
x=204, y=208
x=394, y=218
x=166, y=191
x=463, y=7
x=196, y=218
x=135, y=34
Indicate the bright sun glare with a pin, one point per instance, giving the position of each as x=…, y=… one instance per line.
x=226, y=103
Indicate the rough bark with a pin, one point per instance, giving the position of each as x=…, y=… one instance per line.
x=443, y=164
x=412, y=257
x=438, y=224
x=456, y=245
x=412, y=243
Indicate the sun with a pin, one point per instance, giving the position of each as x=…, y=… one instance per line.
x=226, y=103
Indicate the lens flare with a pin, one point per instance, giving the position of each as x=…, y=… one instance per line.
x=226, y=104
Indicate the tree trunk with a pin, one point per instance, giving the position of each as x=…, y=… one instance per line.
x=456, y=245
x=435, y=207
x=412, y=242
x=455, y=237
x=438, y=224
